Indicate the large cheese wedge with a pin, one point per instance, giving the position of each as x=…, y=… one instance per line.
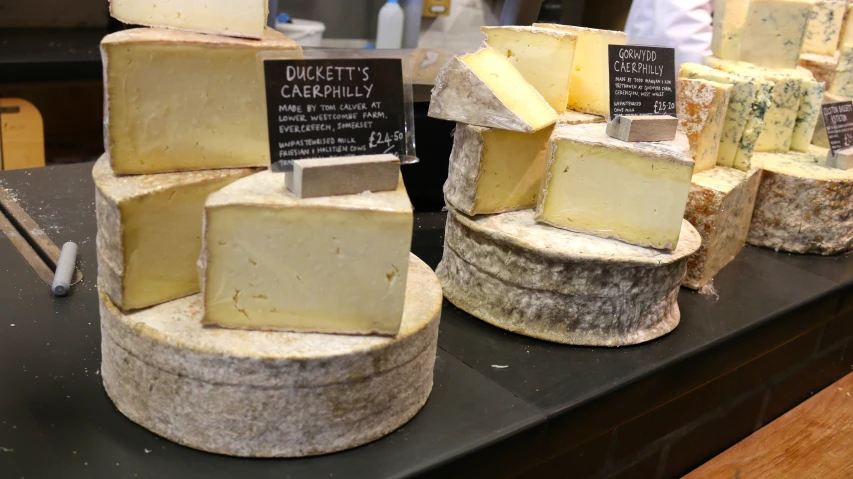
x=846, y=27
x=558, y=285
x=774, y=31
x=803, y=206
x=739, y=109
x=590, y=90
x=334, y=264
x=544, y=57
x=484, y=89
x=842, y=82
x=493, y=171
x=824, y=27
x=729, y=20
x=634, y=192
x=178, y=101
x=149, y=232
x=720, y=207
x=246, y=18
x=701, y=107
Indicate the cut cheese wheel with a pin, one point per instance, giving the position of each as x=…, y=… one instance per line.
x=720, y=207
x=485, y=89
x=561, y=286
x=702, y=107
x=268, y=394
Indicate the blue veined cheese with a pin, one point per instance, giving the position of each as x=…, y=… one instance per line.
x=824, y=27
x=774, y=31
x=701, y=107
x=842, y=82
x=720, y=208
x=807, y=115
x=739, y=110
x=729, y=20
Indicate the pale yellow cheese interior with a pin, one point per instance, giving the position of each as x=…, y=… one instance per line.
x=243, y=18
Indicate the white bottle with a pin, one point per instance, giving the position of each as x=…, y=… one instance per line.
x=389, y=31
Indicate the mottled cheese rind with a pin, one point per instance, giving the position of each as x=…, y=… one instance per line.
x=598, y=185
x=149, y=231
x=803, y=206
x=484, y=89
x=822, y=67
x=728, y=24
x=268, y=394
x=570, y=117
x=774, y=32
x=720, y=207
x=824, y=27
x=492, y=170
x=702, y=107
x=179, y=101
x=739, y=108
x=560, y=286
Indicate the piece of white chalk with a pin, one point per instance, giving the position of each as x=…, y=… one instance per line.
x=64, y=269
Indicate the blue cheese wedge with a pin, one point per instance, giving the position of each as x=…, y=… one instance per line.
x=824, y=27
x=701, y=107
x=774, y=31
x=729, y=20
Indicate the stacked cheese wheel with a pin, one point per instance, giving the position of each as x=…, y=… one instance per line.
x=315, y=329
x=555, y=230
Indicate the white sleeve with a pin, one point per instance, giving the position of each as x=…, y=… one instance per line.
x=683, y=24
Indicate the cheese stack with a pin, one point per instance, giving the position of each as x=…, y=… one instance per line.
x=185, y=135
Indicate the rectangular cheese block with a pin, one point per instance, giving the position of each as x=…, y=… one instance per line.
x=590, y=91
x=336, y=264
x=149, y=232
x=492, y=170
x=485, y=89
x=729, y=20
x=846, y=27
x=738, y=112
x=701, y=107
x=178, y=101
x=720, y=207
x=544, y=57
x=807, y=115
x=824, y=27
x=633, y=192
x=245, y=18
x=842, y=82
x=774, y=32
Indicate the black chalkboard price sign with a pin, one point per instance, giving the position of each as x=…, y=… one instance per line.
x=642, y=80
x=838, y=119
x=322, y=108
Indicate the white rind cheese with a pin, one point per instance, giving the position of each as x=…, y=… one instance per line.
x=728, y=24
x=560, y=286
x=824, y=27
x=333, y=264
x=774, y=32
x=598, y=185
x=268, y=394
x=803, y=206
x=702, y=107
x=246, y=18
x=178, y=101
x=544, y=57
x=484, y=89
x=590, y=92
x=492, y=170
x=720, y=208
x=149, y=232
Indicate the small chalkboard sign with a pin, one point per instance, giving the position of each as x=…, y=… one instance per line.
x=642, y=80
x=332, y=107
x=838, y=119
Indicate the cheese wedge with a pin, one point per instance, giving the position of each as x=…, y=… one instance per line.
x=178, y=101
x=738, y=112
x=822, y=67
x=590, y=90
x=484, y=89
x=846, y=27
x=149, y=232
x=808, y=115
x=774, y=32
x=246, y=18
x=720, y=207
x=492, y=170
x=824, y=27
x=729, y=20
x=701, y=107
x=842, y=82
x=335, y=264
x=633, y=192
x=544, y=57
x=570, y=117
